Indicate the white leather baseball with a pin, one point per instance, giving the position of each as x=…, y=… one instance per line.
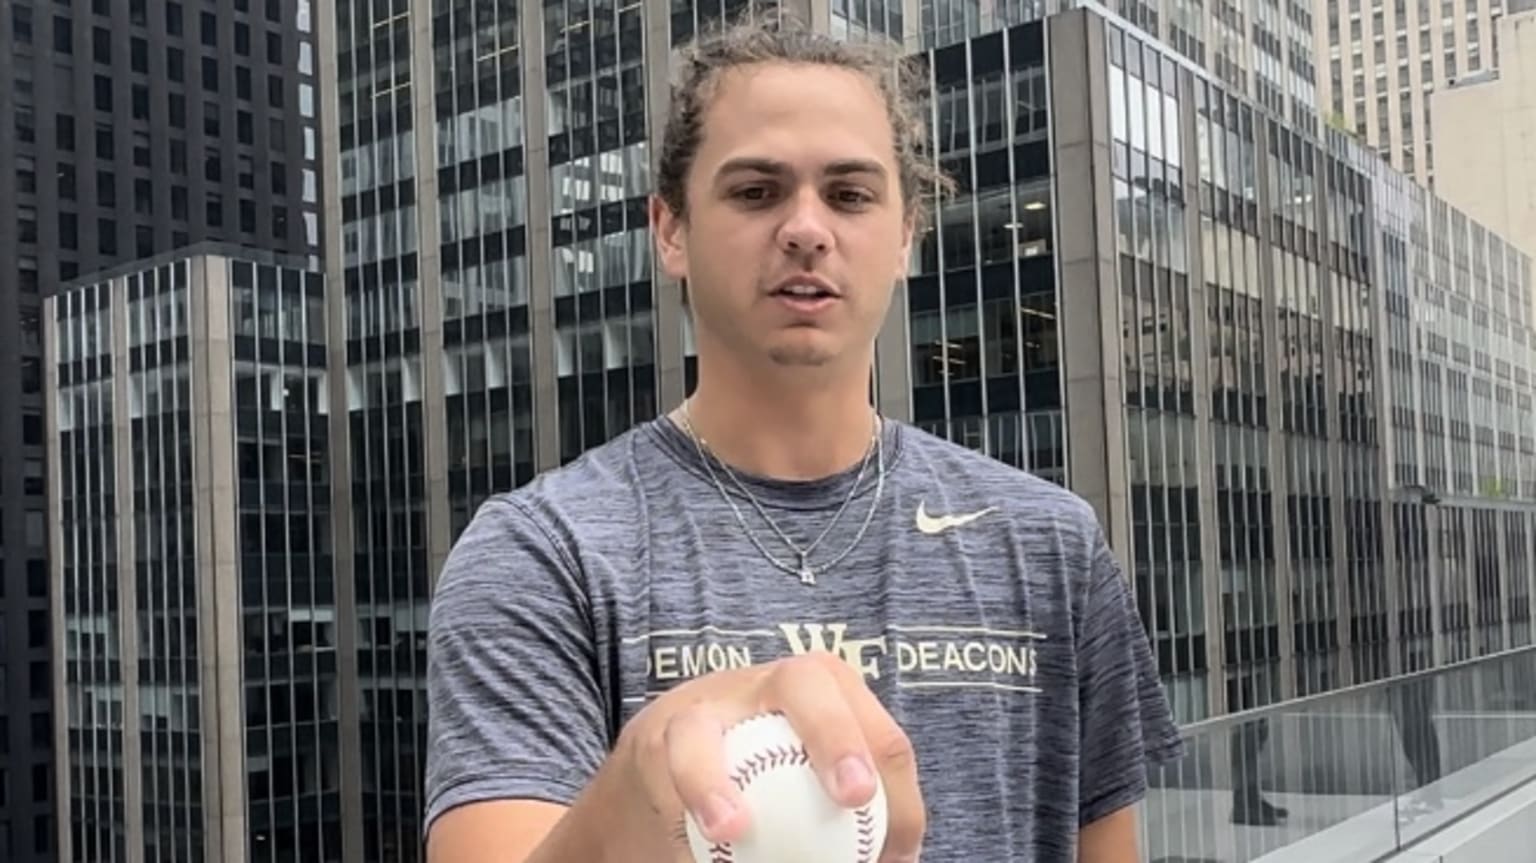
x=793, y=819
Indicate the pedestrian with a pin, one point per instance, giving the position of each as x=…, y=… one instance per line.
x=919, y=612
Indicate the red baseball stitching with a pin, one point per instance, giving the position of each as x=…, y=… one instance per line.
x=793, y=756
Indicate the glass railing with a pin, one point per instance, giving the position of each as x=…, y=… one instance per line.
x=1348, y=776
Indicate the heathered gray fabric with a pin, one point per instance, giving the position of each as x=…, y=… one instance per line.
x=1008, y=648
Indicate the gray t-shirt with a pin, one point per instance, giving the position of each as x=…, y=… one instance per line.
x=982, y=606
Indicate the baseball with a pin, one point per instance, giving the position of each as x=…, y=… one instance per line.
x=793, y=819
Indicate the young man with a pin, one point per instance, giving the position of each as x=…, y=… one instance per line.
x=917, y=610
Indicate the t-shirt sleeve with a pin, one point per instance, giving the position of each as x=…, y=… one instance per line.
x=1127, y=726
x=514, y=706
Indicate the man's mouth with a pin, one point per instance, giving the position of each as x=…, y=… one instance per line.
x=805, y=292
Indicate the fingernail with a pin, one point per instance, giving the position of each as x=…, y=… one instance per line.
x=853, y=772
x=717, y=811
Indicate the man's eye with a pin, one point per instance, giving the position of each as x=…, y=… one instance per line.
x=753, y=193
x=855, y=197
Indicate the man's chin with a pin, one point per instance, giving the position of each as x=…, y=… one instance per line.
x=802, y=352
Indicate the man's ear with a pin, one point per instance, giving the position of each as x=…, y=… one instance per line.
x=671, y=234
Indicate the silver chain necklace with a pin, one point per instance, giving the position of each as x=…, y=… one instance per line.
x=802, y=566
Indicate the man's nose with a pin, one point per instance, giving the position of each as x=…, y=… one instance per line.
x=805, y=229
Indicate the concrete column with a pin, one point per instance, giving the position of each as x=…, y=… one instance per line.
x=912, y=25
x=893, y=368
x=218, y=565
x=671, y=381
x=1381, y=403
x=541, y=287
x=1279, y=472
x=1530, y=564
x=1338, y=492
x=63, y=837
x=1466, y=518
x=1432, y=515
x=1088, y=292
x=434, y=430
x=1200, y=348
x=1501, y=542
x=338, y=434
x=127, y=566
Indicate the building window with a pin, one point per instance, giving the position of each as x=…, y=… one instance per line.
x=26, y=128
x=26, y=224
x=31, y=375
x=69, y=230
x=66, y=181
x=32, y=473
x=63, y=36
x=21, y=25
x=104, y=93
x=106, y=236
x=101, y=45
x=42, y=737
x=31, y=329
x=26, y=175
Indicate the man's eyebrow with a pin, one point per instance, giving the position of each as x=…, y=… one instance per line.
x=774, y=167
x=844, y=167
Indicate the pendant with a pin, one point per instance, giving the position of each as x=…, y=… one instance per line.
x=807, y=575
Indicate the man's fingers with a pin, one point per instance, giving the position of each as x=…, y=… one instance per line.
x=812, y=699
x=695, y=761
x=894, y=758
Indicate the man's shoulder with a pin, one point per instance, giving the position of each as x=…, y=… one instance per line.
x=598, y=488
x=1025, y=495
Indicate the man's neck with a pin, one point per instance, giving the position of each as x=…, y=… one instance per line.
x=782, y=428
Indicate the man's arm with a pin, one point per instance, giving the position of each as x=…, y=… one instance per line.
x=1111, y=839
x=1126, y=724
x=495, y=831
x=516, y=727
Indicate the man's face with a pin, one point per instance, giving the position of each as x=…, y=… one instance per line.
x=796, y=231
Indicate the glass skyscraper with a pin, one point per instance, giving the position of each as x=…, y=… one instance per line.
x=1291, y=384
x=193, y=588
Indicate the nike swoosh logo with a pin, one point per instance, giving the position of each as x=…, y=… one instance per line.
x=935, y=524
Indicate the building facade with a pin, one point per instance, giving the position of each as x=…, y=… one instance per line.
x=193, y=592
x=1159, y=285
x=1487, y=166
x=130, y=127
x=1385, y=62
x=1264, y=51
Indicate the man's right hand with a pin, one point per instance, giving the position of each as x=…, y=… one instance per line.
x=670, y=758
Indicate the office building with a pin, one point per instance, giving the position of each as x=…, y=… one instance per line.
x=1151, y=288
x=1385, y=62
x=1487, y=124
x=1264, y=51
x=197, y=662
x=130, y=128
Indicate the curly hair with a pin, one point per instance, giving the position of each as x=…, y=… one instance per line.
x=778, y=39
